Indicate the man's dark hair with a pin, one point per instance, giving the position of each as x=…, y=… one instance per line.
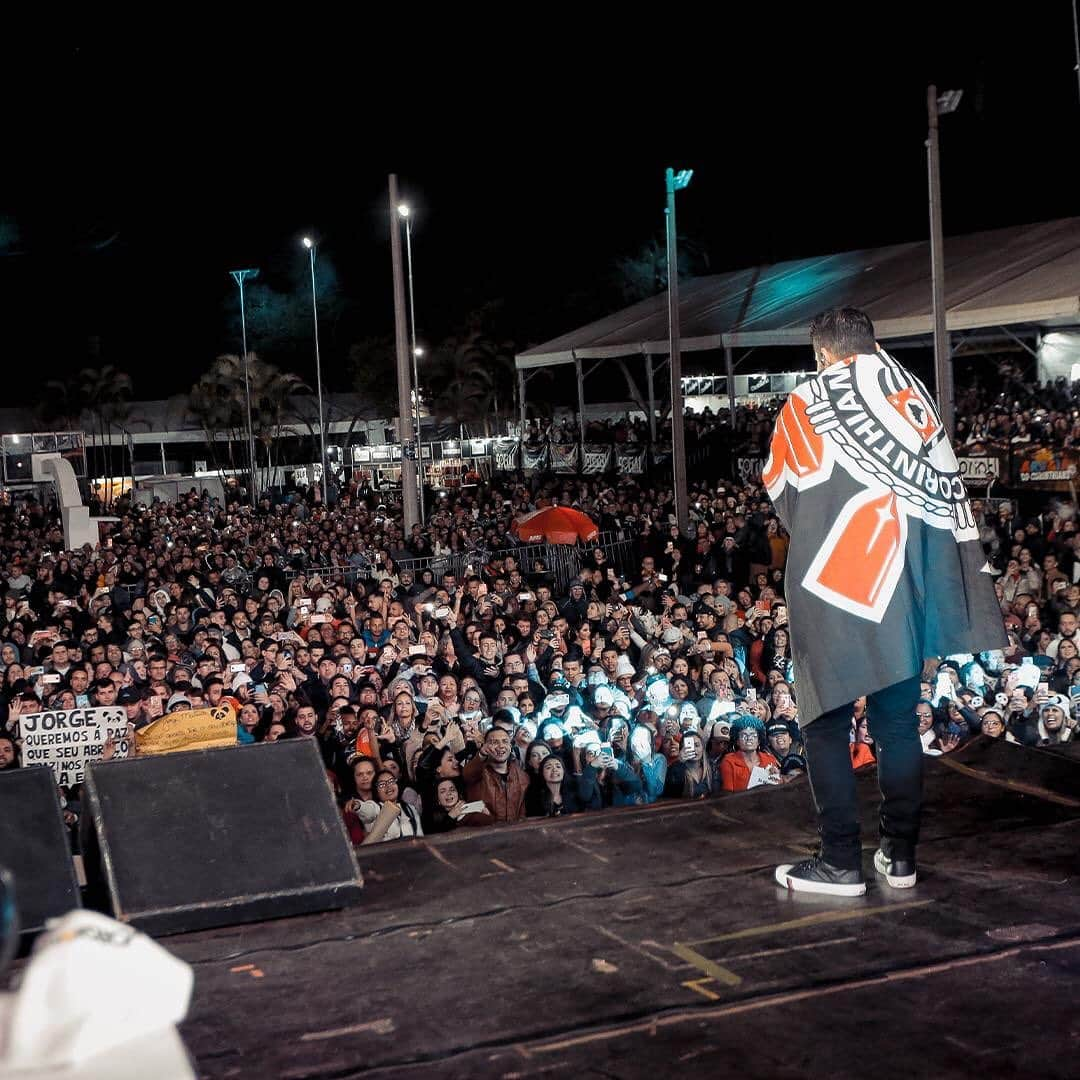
x=843, y=331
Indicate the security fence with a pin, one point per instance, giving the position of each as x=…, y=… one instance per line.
x=561, y=563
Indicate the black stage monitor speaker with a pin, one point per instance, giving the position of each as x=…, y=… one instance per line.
x=34, y=847
x=213, y=837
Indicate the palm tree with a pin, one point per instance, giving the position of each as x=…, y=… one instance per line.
x=61, y=406
x=470, y=374
x=105, y=392
x=218, y=402
x=645, y=273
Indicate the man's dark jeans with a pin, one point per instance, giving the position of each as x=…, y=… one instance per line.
x=895, y=730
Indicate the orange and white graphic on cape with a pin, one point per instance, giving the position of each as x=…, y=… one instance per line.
x=797, y=450
x=858, y=566
x=876, y=422
x=910, y=405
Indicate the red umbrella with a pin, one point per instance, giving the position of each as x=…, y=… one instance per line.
x=555, y=525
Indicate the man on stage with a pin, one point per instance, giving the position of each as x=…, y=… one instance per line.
x=884, y=569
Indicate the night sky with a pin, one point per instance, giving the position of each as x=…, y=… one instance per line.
x=138, y=175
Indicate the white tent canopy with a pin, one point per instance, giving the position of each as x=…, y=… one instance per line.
x=1022, y=275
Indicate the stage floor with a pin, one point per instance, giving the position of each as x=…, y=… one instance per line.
x=654, y=941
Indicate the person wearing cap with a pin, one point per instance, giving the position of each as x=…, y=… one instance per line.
x=719, y=742
x=780, y=742
x=178, y=702
x=132, y=700
x=603, y=701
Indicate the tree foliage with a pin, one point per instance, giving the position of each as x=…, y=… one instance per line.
x=645, y=273
x=218, y=402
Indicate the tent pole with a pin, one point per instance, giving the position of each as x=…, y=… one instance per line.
x=652, y=397
x=730, y=365
x=942, y=357
x=521, y=398
x=580, y=397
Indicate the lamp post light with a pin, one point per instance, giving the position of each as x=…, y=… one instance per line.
x=310, y=245
x=239, y=276
x=405, y=214
x=676, y=182
x=939, y=105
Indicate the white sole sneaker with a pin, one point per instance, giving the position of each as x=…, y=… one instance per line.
x=884, y=867
x=794, y=883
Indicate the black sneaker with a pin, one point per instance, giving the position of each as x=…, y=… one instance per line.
x=899, y=873
x=816, y=875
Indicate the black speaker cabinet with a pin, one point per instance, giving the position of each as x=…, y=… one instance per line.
x=34, y=848
x=186, y=841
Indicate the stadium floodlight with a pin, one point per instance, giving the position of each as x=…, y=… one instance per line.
x=948, y=101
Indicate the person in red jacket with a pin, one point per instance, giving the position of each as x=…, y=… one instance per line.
x=862, y=749
x=737, y=768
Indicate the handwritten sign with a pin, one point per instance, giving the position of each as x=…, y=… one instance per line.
x=67, y=739
x=188, y=729
x=980, y=471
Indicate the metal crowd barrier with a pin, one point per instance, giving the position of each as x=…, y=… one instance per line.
x=560, y=562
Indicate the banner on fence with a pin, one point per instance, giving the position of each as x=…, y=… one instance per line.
x=630, y=459
x=506, y=454
x=189, y=729
x=565, y=457
x=1053, y=470
x=68, y=739
x=748, y=468
x=535, y=457
x=597, y=458
x=980, y=470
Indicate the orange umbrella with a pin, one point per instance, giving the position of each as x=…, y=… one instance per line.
x=555, y=525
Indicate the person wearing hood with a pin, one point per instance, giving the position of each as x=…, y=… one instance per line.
x=1056, y=725
x=560, y=709
x=641, y=755
x=575, y=610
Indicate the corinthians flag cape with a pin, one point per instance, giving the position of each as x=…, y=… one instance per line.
x=885, y=567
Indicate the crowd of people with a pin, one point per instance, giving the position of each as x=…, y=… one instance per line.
x=750, y=431
x=1013, y=411
x=467, y=693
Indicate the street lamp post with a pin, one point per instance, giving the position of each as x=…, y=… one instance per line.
x=939, y=106
x=406, y=214
x=676, y=182
x=310, y=245
x=239, y=276
x=409, y=498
